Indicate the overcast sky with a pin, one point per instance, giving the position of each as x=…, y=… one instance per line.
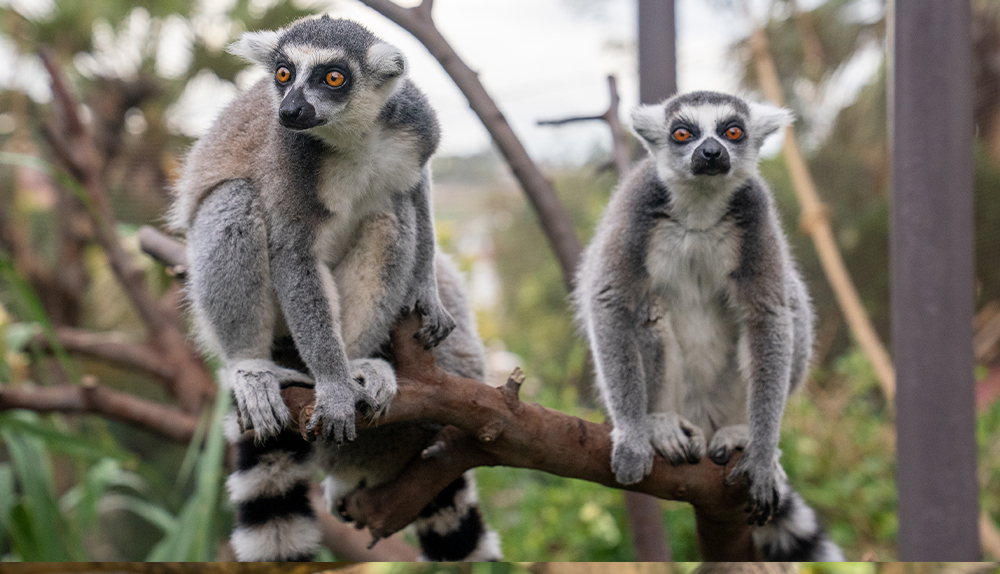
x=539, y=59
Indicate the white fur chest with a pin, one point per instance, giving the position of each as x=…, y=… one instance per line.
x=358, y=183
x=691, y=266
x=689, y=276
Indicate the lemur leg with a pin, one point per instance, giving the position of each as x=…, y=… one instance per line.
x=230, y=288
x=621, y=378
x=674, y=437
x=437, y=321
x=270, y=490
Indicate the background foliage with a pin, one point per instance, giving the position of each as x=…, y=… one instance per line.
x=82, y=488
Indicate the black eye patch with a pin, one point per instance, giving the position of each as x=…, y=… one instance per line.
x=732, y=129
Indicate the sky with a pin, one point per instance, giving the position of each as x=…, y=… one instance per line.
x=539, y=59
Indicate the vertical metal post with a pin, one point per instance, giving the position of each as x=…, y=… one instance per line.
x=932, y=272
x=657, y=51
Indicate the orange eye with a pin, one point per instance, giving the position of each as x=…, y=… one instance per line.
x=734, y=133
x=283, y=74
x=682, y=135
x=335, y=79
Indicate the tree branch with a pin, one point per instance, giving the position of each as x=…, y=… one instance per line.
x=92, y=398
x=491, y=426
x=75, y=147
x=110, y=347
x=553, y=217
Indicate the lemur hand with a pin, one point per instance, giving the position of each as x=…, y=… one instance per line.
x=437, y=321
x=336, y=403
x=256, y=386
x=631, y=456
x=766, y=477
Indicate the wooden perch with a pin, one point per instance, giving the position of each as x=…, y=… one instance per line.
x=488, y=426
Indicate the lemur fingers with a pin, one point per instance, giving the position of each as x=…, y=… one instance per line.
x=256, y=386
x=727, y=441
x=437, y=323
x=631, y=458
x=677, y=439
x=378, y=380
x=766, y=479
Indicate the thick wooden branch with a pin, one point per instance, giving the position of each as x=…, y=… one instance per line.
x=73, y=144
x=553, y=217
x=92, y=398
x=488, y=426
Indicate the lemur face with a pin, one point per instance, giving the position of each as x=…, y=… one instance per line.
x=327, y=73
x=706, y=136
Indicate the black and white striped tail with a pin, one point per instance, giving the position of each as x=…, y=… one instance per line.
x=270, y=490
x=795, y=534
x=451, y=528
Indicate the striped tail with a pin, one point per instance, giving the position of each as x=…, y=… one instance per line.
x=795, y=534
x=270, y=490
x=451, y=528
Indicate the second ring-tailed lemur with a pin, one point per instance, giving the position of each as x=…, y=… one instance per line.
x=698, y=320
x=307, y=209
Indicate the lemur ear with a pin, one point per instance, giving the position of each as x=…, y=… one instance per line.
x=649, y=122
x=256, y=47
x=386, y=61
x=766, y=119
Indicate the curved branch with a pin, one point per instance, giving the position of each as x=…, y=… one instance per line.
x=551, y=213
x=92, y=398
x=490, y=426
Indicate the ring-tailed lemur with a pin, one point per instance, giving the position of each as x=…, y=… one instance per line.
x=307, y=209
x=699, y=323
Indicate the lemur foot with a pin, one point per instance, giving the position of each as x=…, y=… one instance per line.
x=334, y=413
x=727, y=441
x=766, y=478
x=631, y=456
x=675, y=438
x=437, y=323
x=379, y=382
x=256, y=386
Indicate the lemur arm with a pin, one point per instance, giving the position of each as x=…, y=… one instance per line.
x=766, y=339
x=306, y=293
x=611, y=323
x=437, y=322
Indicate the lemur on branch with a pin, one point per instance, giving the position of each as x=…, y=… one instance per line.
x=307, y=210
x=698, y=320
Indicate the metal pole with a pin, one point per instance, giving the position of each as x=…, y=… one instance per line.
x=657, y=51
x=932, y=268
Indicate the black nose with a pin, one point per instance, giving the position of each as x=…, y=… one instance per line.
x=290, y=113
x=711, y=151
x=710, y=158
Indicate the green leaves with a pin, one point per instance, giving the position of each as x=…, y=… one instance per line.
x=192, y=537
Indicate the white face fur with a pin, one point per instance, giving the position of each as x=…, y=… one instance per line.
x=322, y=89
x=706, y=140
